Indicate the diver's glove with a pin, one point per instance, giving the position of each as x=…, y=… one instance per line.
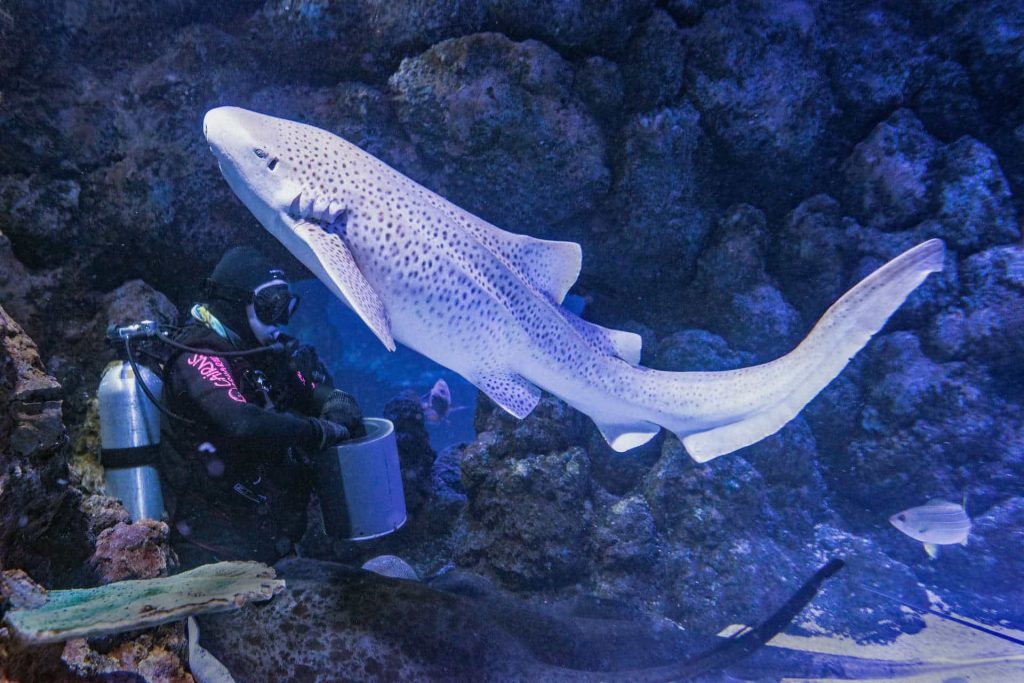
x=331, y=433
x=306, y=362
x=342, y=408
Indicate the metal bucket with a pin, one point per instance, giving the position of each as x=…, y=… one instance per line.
x=359, y=484
x=130, y=439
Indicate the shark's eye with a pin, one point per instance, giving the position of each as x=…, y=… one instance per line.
x=260, y=153
x=272, y=164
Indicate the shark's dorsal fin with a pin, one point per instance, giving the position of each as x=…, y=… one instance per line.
x=552, y=267
x=509, y=390
x=339, y=265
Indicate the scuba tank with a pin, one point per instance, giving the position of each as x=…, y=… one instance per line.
x=359, y=484
x=130, y=428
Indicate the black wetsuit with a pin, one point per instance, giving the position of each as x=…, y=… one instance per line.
x=236, y=482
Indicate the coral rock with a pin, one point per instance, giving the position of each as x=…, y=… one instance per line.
x=974, y=199
x=135, y=301
x=653, y=64
x=40, y=215
x=499, y=121
x=657, y=215
x=626, y=536
x=574, y=25
x=325, y=41
x=986, y=325
x=38, y=506
x=158, y=656
x=414, y=451
x=132, y=551
x=758, y=77
x=888, y=176
x=528, y=517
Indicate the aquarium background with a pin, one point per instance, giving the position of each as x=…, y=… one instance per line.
x=729, y=168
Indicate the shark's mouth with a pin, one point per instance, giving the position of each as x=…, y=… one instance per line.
x=329, y=214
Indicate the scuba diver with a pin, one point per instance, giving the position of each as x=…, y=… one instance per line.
x=244, y=418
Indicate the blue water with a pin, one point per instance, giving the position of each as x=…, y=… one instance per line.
x=362, y=366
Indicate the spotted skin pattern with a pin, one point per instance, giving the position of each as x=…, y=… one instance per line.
x=486, y=303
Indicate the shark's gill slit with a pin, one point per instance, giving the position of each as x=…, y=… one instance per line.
x=337, y=225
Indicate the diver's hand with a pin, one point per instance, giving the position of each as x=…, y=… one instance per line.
x=304, y=360
x=331, y=433
x=342, y=408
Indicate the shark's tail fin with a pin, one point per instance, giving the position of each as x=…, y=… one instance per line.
x=843, y=331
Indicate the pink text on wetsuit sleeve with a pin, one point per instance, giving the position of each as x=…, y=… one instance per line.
x=216, y=373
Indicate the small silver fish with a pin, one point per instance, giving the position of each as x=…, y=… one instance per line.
x=437, y=403
x=937, y=522
x=440, y=398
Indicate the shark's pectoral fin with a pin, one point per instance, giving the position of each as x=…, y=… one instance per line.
x=510, y=391
x=623, y=437
x=932, y=550
x=341, y=267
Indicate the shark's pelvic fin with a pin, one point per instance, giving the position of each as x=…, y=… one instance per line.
x=843, y=331
x=341, y=267
x=512, y=392
x=623, y=437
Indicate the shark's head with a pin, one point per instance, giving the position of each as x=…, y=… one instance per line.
x=278, y=168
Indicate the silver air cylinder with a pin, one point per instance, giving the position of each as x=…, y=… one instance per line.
x=130, y=439
x=359, y=484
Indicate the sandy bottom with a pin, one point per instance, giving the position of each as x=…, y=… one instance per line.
x=942, y=651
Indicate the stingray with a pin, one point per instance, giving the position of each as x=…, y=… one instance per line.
x=334, y=622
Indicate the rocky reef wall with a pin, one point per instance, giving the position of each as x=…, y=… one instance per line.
x=730, y=168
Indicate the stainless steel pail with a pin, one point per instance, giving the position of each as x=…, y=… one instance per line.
x=359, y=484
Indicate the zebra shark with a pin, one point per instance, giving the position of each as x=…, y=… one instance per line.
x=486, y=303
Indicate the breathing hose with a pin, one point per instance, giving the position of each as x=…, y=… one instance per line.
x=145, y=389
x=149, y=330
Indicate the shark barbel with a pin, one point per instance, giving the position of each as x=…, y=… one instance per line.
x=486, y=303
